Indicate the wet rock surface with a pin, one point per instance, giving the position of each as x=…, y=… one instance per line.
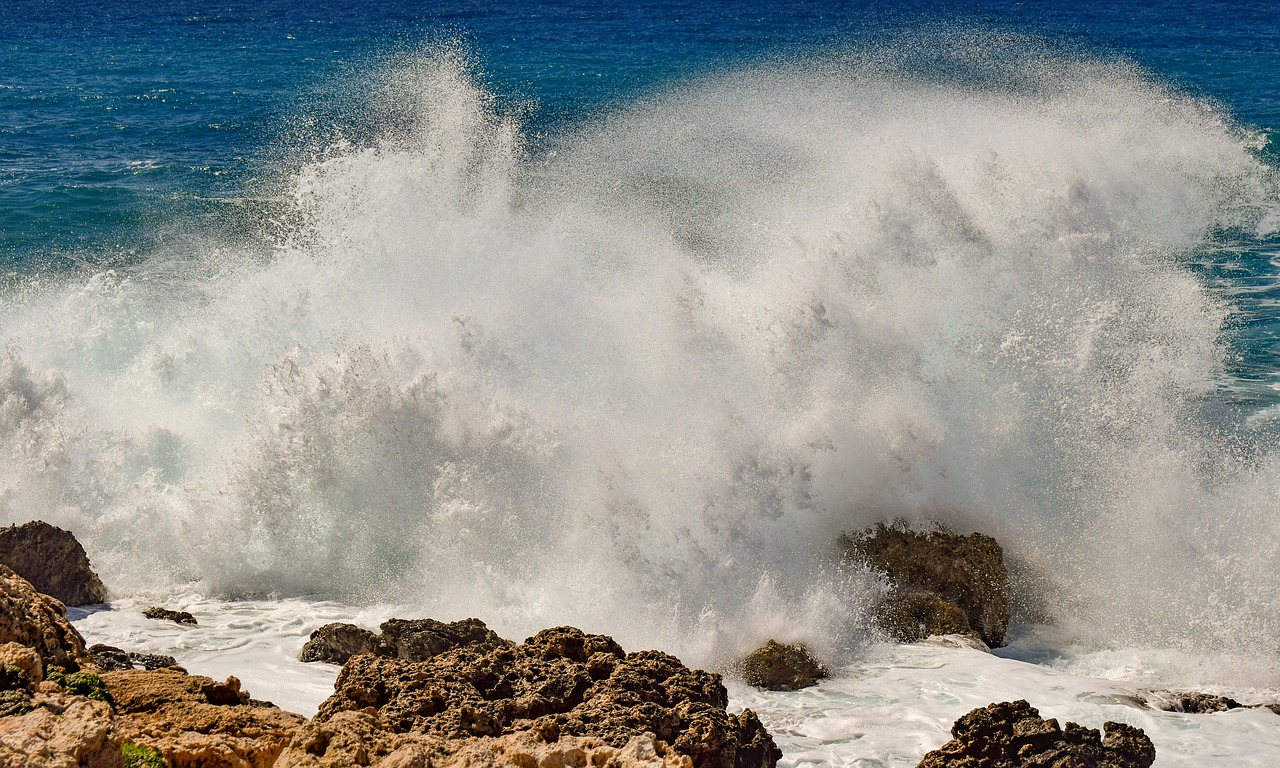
x=1012, y=734
x=111, y=659
x=53, y=561
x=164, y=614
x=560, y=686
x=781, y=667
x=408, y=639
x=938, y=577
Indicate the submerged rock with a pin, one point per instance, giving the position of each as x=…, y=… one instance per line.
x=37, y=621
x=111, y=659
x=1012, y=734
x=53, y=561
x=164, y=614
x=573, y=696
x=779, y=667
x=1191, y=703
x=943, y=582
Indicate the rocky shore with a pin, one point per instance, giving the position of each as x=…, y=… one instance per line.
x=421, y=692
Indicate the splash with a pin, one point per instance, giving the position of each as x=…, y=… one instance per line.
x=640, y=377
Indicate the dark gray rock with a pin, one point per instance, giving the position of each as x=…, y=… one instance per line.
x=420, y=639
x=53, y=561
x=164, y=614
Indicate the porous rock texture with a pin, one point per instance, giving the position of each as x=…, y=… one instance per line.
x=37, y=621
x=53, y=561
x=778, y=666
x=60, y=731
x=197, y=722
x=1012, y=734
x=408, y=639
x=564, y=692
x=965, y=575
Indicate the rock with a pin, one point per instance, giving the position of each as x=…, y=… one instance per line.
x=1190, y=702
x=1012, y=734
x=778, y=667
x=164, y=614
x=53, y=561
x=561, y=688
x=967, y=640
x=111, y=659
x=335, y=643
x=965, y=571
x=23, y=663
x=37, y=621
x=60, y=731
x=197, y=722
x=420, y=639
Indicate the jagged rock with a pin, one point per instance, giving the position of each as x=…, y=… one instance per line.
x=19, y=661
x=408, y=639
x=197, y=722
x=60, y=731
x=965, y=571
x=778, y=667
x=53, y=561
x=1012, y=734
x=912, y=616
x=335, y=643
x=1190, y=702
x=164, y=614
x=420, y=639
x=558, y=687
x=111, y=659
x=37, y=621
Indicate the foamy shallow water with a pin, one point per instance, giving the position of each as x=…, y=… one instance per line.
x=884, y=711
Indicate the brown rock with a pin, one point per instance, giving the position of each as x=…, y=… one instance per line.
x=53, y=561
x=1012, y=734
x=966, y=571
x=335, y=643
x=197, y=722
x=913, y=616
x=24, y=662
x=560, y=685
x=37, y=621
x=1192, y=703
x=419, y=639
x=164, y=614
x=60, y=732
x=778, y=667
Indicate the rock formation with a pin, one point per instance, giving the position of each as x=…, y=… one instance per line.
x=561, y=690
x=408, y=639
x=939, y=578
x=1012, y=734
x=53, y=561
x=37, y=621
x=111, y=659
x=779, y=667
x=164, y=614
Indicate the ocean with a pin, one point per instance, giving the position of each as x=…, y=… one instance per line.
x=618, y=315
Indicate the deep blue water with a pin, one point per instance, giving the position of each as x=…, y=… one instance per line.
x=127, y=125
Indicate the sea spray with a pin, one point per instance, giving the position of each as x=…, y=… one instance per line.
x=637, y=378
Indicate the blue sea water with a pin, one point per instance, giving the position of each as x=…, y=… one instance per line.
x=126, y=125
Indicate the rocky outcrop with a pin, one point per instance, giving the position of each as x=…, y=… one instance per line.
x=1012, y=734
x=60, y=731
x=777, y=666
x=53, y=561
x=561, y=690
x=37, y=621
x=164, y=614
x=111, y=659
x=197, y=722
x=408, y=639
x=1191, y=703
x=938, y=578
x=420, y=639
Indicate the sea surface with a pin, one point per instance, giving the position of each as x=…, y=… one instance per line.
x=618, y=315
